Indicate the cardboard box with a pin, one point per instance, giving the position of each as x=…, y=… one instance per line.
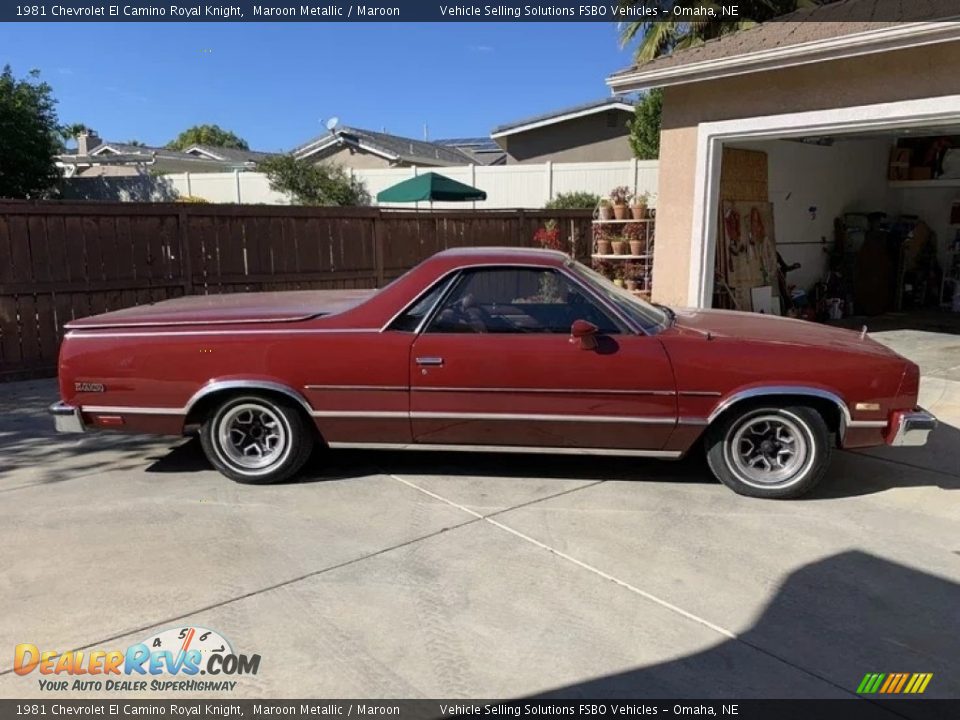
x=899, y=164
x=921, y=173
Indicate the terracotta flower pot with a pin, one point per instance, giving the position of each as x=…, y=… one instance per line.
x=604, y=248
x=620, y=212
x=606, y=212
x=620, y=247
x=636, y=247
x=639, y=212
x=631, y=284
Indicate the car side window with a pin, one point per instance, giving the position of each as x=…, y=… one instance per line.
x=411, y=319
x=517, y=300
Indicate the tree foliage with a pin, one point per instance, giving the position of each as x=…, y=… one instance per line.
x=573, y=201
x=70, y=132
x=29, y=136
x=309, y=184
x=645, y=126
x=664, y=36
x=207, y=135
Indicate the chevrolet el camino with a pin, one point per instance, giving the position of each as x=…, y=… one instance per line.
x=489, y=349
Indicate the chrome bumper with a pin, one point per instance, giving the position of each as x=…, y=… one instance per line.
x=66, y=418
x=911, y=428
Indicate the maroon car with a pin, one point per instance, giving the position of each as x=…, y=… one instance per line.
x=496, y=349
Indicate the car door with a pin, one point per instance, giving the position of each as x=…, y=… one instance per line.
x=496, y=365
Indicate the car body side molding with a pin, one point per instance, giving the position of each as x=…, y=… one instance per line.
x=220, y=385
x=801, y=390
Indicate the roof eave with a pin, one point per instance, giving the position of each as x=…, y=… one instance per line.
x=423, y=161
x=203, y=151
x=504, y=131
x=896, y=37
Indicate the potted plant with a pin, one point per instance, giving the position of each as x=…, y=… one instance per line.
x=606, y=210
x=602, y=240
x=618, y=276
x=636, y=236
x=639, y=207
x=548, y=237
x=620, y=199
x=630, y=276
x=604, y=267
x=620, y=245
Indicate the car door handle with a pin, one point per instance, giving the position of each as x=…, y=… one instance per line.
x=429, y=361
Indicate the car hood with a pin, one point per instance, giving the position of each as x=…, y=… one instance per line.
x=229, y=309
x=776, y=329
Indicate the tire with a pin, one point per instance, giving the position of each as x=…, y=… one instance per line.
x=769, y=452
x=257, y=439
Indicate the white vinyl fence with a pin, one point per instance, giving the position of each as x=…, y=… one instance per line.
x=507, y=186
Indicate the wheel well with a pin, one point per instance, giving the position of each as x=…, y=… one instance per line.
x=827, y=408
x=205, y=406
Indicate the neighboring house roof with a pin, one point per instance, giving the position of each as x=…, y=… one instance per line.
x=824, y=32
x=205, y=157
x=107, y=159
x=107, y=148
x=474, y=143
x=558, y=116
x=395, y=148
x=483, y=149
x=230, y=154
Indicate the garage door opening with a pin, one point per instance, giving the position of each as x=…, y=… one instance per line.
x=851, y=228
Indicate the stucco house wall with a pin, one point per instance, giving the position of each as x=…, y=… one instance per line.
x=602, y=137
x=907, y=74
x=350, y=158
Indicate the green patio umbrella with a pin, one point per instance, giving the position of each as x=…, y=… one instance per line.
x=429, y=187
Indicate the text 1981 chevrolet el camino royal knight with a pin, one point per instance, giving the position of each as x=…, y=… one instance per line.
x=489, y=349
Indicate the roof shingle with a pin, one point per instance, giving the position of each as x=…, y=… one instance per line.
x=407, y=149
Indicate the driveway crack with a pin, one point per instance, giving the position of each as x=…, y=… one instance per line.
x=724, y=632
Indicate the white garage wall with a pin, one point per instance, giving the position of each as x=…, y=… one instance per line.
x=849, y=176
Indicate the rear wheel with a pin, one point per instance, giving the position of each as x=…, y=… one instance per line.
x=769, y=452
x=257, y=439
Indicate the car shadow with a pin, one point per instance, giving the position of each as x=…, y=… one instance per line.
x=826, y=626
x=326, y=465
x=850, y=474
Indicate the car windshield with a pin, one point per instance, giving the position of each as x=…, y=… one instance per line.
x=650, y=317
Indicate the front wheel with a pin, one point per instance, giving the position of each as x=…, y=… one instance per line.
x=257, y=439
x=769, y=452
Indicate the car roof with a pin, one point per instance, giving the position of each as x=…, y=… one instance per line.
x=504, y=255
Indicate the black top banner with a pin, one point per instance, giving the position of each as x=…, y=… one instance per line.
x=852, y=709
x=449, y=10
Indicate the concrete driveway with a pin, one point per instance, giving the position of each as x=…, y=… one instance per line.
x=443, y=575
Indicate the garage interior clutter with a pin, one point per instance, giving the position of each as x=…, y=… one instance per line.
x=830, y=228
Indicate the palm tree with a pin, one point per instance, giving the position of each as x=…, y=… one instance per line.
x=70, y=132
x=662, y=37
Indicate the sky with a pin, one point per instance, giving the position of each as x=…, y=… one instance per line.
x=276, y=84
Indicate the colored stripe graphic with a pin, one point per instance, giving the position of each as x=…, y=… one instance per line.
x=891, y=681
x=894, y=683
x=870, y=683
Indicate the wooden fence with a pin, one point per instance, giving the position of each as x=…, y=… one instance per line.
x=66, y=260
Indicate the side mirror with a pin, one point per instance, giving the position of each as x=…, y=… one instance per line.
x=585, y=333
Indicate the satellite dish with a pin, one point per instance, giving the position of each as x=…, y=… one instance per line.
x=332, y=123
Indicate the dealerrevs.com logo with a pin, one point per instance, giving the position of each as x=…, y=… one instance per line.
x=170, y=661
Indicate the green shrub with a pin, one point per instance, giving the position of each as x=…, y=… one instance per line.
x=573, y=201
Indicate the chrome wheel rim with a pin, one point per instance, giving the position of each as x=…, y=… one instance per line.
x=252, y=436
x=769, y=450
